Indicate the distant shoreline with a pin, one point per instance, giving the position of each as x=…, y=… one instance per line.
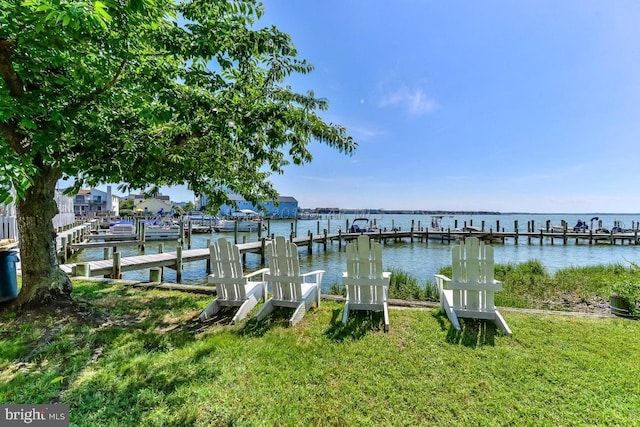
x=350, y=211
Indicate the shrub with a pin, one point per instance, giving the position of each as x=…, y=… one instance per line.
x=405, y=286
x=627, y=287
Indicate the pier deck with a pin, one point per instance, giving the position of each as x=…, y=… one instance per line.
x=175, y=259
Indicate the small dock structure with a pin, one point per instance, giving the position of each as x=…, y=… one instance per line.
x=113, y=264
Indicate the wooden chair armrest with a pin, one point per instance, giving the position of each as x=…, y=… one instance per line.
x=255, y=273
x=317, y=273
x=440, y=281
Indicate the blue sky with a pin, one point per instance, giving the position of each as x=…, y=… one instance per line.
x=528, y=106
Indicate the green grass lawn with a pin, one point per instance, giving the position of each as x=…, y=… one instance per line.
x=149, y=362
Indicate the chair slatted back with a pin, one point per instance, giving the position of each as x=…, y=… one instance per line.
x=227, y=270
x=364, y=280
x=284, y=270
x=364, y=258
x=473, y=275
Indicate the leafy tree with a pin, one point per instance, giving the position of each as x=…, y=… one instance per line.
x=126, y=204
x=143, y=92
x=189, y=206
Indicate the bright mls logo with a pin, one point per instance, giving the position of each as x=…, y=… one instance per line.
x=34, y=415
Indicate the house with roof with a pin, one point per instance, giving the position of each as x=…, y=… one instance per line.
x=94, y=202
x=283, y=207
x=153, y=206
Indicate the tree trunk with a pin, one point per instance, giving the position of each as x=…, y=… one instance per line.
x=42, y=279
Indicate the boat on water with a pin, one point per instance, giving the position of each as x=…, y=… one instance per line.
x=360, y=225
x=153, y=229
x=122, y=228
x=245, y=220
x=436, y=231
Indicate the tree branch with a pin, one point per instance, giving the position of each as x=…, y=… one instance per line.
x=95, y=93
x=11, y=78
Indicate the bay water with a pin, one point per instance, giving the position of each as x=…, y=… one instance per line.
x=421, y=259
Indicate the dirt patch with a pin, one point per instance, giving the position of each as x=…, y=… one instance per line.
x=56, y=310
x=572, y=302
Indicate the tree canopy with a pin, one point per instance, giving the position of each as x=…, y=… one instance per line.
x=144, y=93
x=152, y=92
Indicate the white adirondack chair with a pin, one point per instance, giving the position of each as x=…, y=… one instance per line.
x=366, y=283
x=289, y=287
x=233, y=288
x=470, y=291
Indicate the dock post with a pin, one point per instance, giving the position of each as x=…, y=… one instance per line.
x=591, y=236
x=541, y=237
x=411, y=233
x=155, y=274
x=235, y=232
x=325, y=240
x=63, y=241
x=318, y=227
x=498, y=225
x=189, y=233
x=262, y=246
x=82, y=270
x=244, y=254
x=117, y=266
x=208, y=263
x=106, y=253
x=482, y=228
x=179, y=263
x=143, y=232
x=339, y=239
x=160, y=248
x=310, y=245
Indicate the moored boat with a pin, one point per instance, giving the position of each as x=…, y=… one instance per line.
x=246, y=220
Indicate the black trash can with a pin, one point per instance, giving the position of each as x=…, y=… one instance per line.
x=8, y=275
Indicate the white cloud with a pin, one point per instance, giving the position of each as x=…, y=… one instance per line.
x=363, y=133
x=415, y=101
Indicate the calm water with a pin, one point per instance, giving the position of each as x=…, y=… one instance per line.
x=420, y=259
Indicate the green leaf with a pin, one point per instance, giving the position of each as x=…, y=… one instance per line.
x=28, y=124
x=57, y=379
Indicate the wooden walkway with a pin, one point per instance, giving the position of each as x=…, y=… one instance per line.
x=174, y=260
x=140, y=262
x=539, y=237
x=116, y=266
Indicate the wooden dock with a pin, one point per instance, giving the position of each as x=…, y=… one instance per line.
x=115, y=266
